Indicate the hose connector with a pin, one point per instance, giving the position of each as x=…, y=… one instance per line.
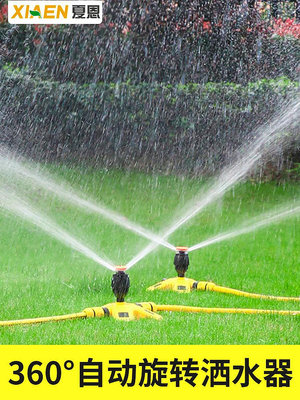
x=95, y=312
x=149, y=305
x=204, y=286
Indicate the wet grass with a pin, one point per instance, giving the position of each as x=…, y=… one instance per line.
x=39, y=276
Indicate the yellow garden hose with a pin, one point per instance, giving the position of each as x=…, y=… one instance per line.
x=210, y=286
x=223, y=310
x=86, y=313
x=43, y=319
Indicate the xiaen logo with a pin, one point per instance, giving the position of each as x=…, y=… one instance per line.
x=55, y=12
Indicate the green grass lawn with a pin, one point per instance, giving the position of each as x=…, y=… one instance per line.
x=39, y=276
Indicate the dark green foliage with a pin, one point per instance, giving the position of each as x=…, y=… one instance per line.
x=159, y=41
x=189, y=128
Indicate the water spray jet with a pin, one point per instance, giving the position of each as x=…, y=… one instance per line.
x=10, y=165
x=15, y=205
x=246, y=158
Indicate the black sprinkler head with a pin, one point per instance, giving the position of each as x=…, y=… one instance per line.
x=181, y=261
x=120, y=284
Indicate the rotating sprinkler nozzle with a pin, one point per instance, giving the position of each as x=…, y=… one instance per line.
x=120, y=283
x=181, y=261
